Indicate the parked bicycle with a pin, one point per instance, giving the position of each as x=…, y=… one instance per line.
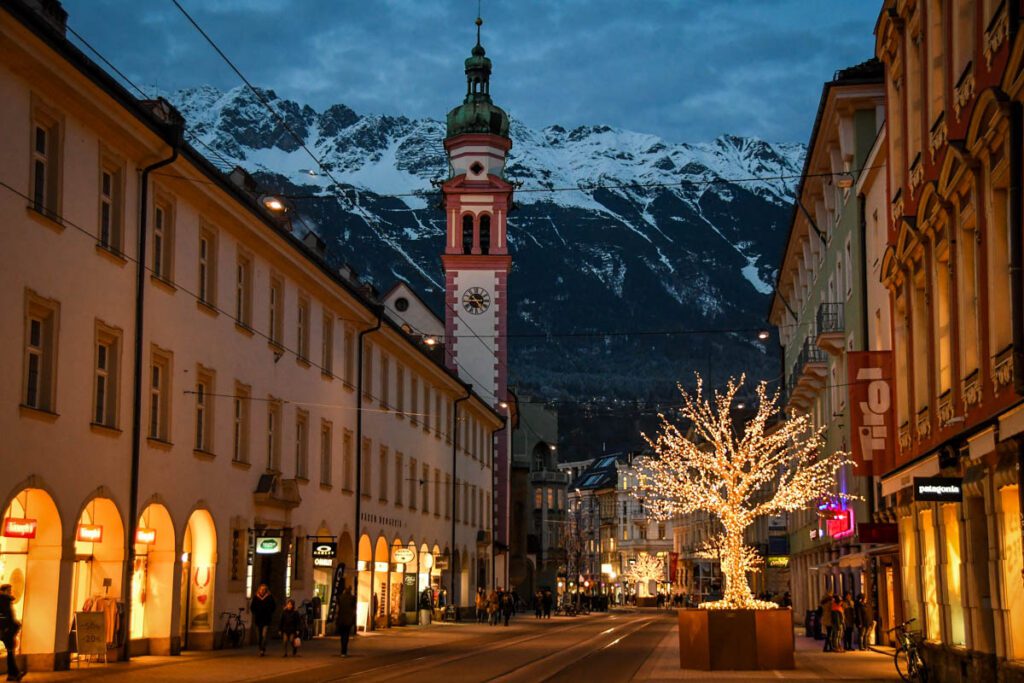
x=909, y=664
x=234, y=628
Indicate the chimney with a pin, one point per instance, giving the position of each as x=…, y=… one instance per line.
x=52, y=12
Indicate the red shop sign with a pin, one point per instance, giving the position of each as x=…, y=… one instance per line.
x=841, y=524
x=145, y=536
x=90, y=533
x=19, y=527
x=872, y=390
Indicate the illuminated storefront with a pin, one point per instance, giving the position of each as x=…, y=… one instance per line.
x=153, y=582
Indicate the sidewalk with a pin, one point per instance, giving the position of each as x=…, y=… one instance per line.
x=811, y=665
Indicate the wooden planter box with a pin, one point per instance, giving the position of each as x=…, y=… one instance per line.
x=714, y=640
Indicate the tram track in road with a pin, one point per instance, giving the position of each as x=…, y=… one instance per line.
x=431, y=659
x=550, y=664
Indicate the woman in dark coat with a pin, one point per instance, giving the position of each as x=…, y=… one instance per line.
x=262, y=608
x=346, y=617
x=289, y=627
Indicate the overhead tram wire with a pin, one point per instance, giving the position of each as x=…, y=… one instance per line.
x=370, y=221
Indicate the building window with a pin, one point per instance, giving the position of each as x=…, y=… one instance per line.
x=107, y=377
x=366, y=458
x=847, y=261
x=413, y=483
x=437, y=492
x=400, y=388
x=399, y=473
x=385, y=381
x=455, y=493
x=111, y=231
x=302, y=329
x=40, y=353
x=551, y=498
x=368, y=371
x=538, y=498
x=998, y=268
x=204, y=410
x=207, y=267
x=383, y=474
x=240, y=428
x=160, y=395
x=243, y=290
x=447, y=496
x=46, y=166
x=952, y=566
x=942, y=313
x=327, y=344
x=426, y=407
x=325, y=453
x=437, y=414
x=346, y=461
x=276, y=311
x=414, y=398
x=447, y=427
x=425, y=481
x=929, y=578
x=301, y=444
x=466, y=495
x=274, y=435
x=163, y=240
x=350, y=355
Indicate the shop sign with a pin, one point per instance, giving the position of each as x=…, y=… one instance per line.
x=268, y=545
x=324, y=553
x=380, y=567
x=90, y=633
x=90, y=533
x=19, y=527
x=145, y=536
x=877, y=532
x=336, y=588
x=403, y=555
x=841, y=524
x=361, y=566
x=939, y=489
x=777, y=561
x=872, y=435
x=441, y=563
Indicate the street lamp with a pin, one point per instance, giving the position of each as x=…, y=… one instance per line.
x=273, y=204
x=763, y=335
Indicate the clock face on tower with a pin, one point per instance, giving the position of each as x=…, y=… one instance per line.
x=476, y=300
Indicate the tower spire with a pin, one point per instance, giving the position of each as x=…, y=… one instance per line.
x=479, y=21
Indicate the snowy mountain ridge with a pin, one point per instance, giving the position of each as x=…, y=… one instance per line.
x=610, y=222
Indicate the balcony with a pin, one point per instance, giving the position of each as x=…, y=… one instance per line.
x=831, y=323
x=807, y=378
x=549, y=477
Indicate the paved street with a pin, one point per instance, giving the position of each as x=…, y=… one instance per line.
x=601, y=648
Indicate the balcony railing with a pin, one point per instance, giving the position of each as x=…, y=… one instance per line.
x=549, y=477
x=807, y=377
x=831, y=323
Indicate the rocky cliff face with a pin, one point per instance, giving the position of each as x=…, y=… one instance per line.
x=615, y=232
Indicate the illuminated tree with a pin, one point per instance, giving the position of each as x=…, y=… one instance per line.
x=771, y=465
x=646, y=568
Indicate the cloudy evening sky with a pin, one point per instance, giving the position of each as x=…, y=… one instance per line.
x=686, y=70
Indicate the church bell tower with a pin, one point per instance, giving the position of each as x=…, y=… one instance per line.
x=476, y=261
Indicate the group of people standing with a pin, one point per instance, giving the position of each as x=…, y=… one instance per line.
x=495, y=606
x=263, y=606
x=847, y=623
x=543, y=601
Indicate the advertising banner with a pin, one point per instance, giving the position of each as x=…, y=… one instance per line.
x=873, y=433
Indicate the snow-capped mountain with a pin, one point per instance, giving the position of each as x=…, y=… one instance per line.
x=614, y=232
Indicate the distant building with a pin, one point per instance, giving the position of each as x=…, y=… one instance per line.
x=538, y=499
x=613, y=526
x=820, y=310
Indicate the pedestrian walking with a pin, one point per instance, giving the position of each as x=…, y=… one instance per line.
x=481, y=605
x=826, y=620
x=346, y=617
x=548, y=600
x=9, y=627
x=289, y=628
x=262, y=608
x=866, y=619
x=507, y=606
x=838, y=624
x=538, y=604
x=493, y=605
x=849, y=621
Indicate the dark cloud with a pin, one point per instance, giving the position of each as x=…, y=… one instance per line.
x=685, y=70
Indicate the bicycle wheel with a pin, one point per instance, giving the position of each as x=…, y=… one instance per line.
x=229, y=637
x=241, y=634
x=909, y=665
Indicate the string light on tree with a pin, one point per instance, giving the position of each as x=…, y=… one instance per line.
x=774, y=464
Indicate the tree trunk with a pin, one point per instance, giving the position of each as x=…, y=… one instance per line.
x=737, y=590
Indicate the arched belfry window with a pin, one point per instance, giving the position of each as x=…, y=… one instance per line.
x=485, y=234
x=467, y=234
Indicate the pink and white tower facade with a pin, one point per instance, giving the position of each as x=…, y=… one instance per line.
x=476, y=263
